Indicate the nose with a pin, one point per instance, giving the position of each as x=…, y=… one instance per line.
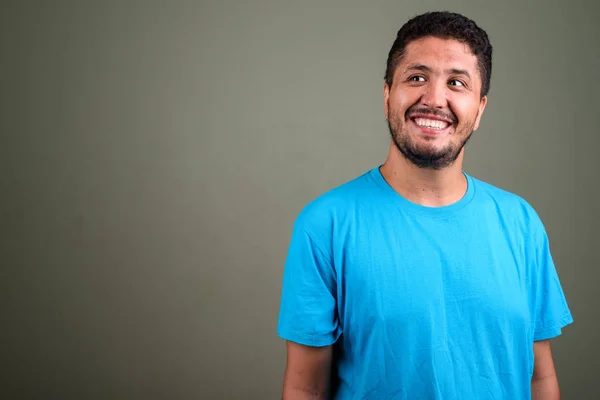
x=435, y=94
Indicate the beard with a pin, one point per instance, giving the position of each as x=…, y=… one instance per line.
x=428, y=157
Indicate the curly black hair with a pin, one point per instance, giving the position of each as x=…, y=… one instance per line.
x=445, y=25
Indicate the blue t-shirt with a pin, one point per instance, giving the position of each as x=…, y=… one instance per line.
x=422, y=302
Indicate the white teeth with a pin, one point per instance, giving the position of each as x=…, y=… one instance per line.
x=431, y=123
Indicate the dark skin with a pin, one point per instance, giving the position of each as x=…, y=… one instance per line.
x=307, y=372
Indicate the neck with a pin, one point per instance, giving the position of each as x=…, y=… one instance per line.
x=427, y=187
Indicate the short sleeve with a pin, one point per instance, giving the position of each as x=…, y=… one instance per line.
x=551, y=312
x=308, y=301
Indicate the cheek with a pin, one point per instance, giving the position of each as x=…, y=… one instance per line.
x=400, y=102
x=465, y=111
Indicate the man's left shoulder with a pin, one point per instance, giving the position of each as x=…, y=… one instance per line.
x=508, y=204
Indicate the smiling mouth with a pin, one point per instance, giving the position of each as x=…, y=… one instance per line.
x=433, y=124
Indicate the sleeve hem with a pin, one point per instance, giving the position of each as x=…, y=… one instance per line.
x=309, y=340
x=555, y=330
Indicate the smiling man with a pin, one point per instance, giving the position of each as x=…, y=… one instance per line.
x=416, y=280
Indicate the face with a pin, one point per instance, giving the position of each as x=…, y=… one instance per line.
x=434, y=103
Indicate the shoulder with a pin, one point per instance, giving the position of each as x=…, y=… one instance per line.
x=328, y=209
x=508, y=205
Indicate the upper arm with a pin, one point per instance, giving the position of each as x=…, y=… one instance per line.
x=307, y=372
x=543, y=366
x=544, y=383
x=308, y=318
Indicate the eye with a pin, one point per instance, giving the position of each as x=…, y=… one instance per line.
x=416, y=78
x=456, y=82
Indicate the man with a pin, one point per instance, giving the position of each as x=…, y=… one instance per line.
x=416, y=280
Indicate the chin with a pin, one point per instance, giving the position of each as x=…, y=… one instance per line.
x=429, y=150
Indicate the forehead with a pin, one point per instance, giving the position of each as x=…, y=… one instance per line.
x=441, y=54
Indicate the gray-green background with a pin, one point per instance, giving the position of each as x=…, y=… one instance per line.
x=155, y=154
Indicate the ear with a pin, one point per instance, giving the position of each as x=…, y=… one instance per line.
x=386, y=99
x=482, y=104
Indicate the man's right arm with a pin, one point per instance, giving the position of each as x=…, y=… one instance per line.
x=307, y=372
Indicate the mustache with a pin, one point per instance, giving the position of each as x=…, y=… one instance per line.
x=420, y=111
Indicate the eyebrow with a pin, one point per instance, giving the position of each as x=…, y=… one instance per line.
x=425, y=68
x=417, y=67
x=455, y=71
